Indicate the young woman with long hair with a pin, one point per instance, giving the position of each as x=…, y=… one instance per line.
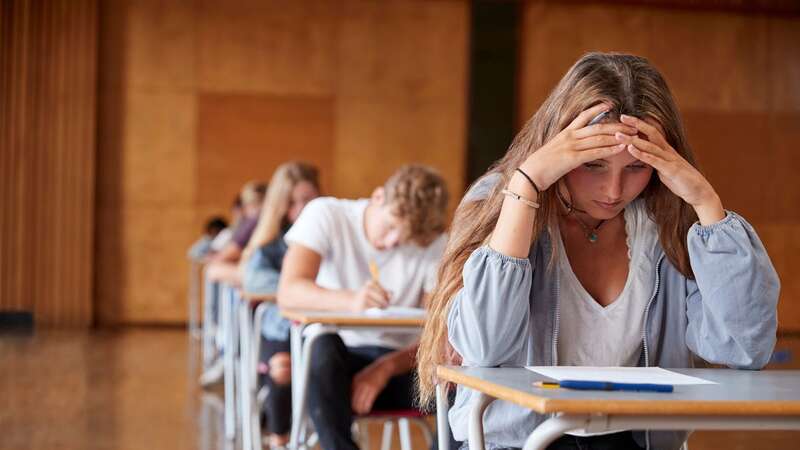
x=596, y=241
x=292, y=186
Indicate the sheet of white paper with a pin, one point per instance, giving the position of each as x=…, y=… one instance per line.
x=654, y=375
x=395, y=311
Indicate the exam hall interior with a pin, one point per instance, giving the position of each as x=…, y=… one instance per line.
x=126, y=124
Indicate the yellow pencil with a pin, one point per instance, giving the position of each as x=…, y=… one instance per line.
x=373, y=269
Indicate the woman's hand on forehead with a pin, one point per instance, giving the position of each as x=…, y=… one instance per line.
x=577, y=144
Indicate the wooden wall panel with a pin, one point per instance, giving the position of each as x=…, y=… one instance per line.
x=198, y=97
x=246, y=137
x=401, y=100
x=47, y=127
x=736, y=78
x=783, y=86
x=146, y=176
x=269, y=46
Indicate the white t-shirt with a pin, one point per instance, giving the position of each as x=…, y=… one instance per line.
x=593, y=335
x=222, y=239
x=611, y=336
x=334, y=228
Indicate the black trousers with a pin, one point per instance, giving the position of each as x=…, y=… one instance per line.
x=615, y=441
x=333, y=366
x=278, y=404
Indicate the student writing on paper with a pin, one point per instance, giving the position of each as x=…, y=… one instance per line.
x=596, y=241
x=327, y=267
x=292, y=186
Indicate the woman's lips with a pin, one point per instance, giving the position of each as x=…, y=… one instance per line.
x=607, y=205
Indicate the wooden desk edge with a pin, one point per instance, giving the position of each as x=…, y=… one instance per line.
x=258, y=298
x=544, y=405
x=333, y=319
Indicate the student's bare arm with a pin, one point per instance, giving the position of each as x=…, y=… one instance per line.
x=400, y=361
x=298, y=288
x=370, y=381
x=230, y=253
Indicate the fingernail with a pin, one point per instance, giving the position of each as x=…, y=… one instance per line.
x=625, y=117
x=619, y=135
x=631, y=147
x=621, y=146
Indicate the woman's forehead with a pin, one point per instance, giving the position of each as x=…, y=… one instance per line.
x=623, y=158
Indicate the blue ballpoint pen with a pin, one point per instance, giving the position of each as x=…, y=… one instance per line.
x=608, y=386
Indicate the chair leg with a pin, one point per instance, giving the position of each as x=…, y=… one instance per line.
x=386, y=439
x=405, y=434
x=427, y=432
x=361, y=433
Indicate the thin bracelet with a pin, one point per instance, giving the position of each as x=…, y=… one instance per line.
x=530, y=180
x=520, y=198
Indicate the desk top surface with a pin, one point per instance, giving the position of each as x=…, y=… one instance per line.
x=256, y=298
x=738, y=393
x=343, y=318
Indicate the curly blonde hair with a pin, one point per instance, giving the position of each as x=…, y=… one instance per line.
x=418, y=195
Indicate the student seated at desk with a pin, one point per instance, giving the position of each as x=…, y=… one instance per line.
x=292, y=186
x=203, y=246
x=332, y=245
x=597, y=245
x=223, y=267
x=224, y=237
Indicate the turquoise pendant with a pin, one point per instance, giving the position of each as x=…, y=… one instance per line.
x=592, y=237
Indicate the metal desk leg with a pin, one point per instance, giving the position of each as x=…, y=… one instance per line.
x=229, y=350
x=553, y=428
x=255, y=352
x=245, y=374
x=442, y=424
x=301, y=378
x=476, y=421
x=209, y=332
x=296, y=347
x=194, y=299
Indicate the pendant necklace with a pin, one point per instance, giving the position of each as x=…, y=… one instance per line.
x=591, y=233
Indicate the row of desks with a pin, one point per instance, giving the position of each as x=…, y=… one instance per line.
x=768, y=400
x=307, y=326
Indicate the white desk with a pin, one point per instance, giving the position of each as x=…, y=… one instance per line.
x=313, y=324
x=763, y=400
x=249, y=343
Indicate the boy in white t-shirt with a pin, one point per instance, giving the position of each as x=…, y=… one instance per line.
x=332, y=245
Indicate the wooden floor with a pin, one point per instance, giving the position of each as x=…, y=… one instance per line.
x=135, y=389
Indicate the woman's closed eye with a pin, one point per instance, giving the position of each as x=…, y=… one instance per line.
x=636, y=167
x=600, y=166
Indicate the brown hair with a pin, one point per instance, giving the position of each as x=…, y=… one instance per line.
x=279, y=197
x=634, y=87
x=418, y=195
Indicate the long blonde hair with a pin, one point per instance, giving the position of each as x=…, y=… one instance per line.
x=279, y=197
x=634, y=87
